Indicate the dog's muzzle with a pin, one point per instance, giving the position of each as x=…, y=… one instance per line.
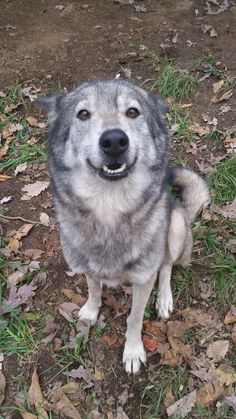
x=113, y=143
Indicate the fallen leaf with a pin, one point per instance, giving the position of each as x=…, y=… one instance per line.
x=183, y=406
x=217, y=86
x=155, y=333
x=217, y=350
x=222, y=98
x=18, y=296
x=20, y=168
x=34, y=189
x=6, y=133
x=122, y=399
x=28, y=415
x=3, y=178
x=192, y=148
x=228, y=211
x=15, y=278
x=203, y=374
x=71, y=387
x=34, y=253
x=231, y=401
x=226, y=375
x=67, y=309
x=5, y=200
x=110, y=340
x=209, y=393
x=11, y=107
x=81, y=372
x=213, y=33
x=36, y=396
x=44, y=219
x=23, y=231
x=32, y=121
x=169, y=399
x=4, y=150
x=99, y=375
x=64, y=407
x=121, y=413
x=233, y=334
x=230, y=316
x=2, y=387
x=14, y=244
x=196, y=128
x=76, y=298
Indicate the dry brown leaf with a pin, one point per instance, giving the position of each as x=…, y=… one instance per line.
x=76, y=298
x=3, y=178
x=169, y=398
x=99, y=375
x=23, y=231
x=2, y=387
x=71, y=387
x=14, y=244
x=231, y=401
x=63, y=406
x=222, y=98
x=67, y=309
x=183, y=406
x=28, y=415
x=210, y=393
x=230, y=317
x=226, y=374
x=217, y=86
x=6, y=133
x=155, y=333
x=36, y=396
x=196, y=128
x=34, y=253
x=121, y=413
x=4, y=150
x=110, y=340
x=32, y=121
x=15, y=278
x=34, y=189
x=217, y=350
x=228, y=211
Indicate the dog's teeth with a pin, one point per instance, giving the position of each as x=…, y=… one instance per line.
x=114, y=171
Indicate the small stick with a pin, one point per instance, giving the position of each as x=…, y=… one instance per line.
x=7, y=217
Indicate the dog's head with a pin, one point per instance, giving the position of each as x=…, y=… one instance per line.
x=107, y=128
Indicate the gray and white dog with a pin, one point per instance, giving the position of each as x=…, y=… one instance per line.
x=108, y=160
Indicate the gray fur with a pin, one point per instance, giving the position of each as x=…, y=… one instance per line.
x=121, y=230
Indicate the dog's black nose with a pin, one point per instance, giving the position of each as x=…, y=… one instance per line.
x=114, y=142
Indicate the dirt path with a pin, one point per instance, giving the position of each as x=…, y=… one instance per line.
x=53, y=46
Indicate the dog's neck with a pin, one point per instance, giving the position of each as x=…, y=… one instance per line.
x=110, y=200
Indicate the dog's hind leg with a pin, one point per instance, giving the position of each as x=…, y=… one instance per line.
x=175, y=245
x=134, y=352
x=90, y=309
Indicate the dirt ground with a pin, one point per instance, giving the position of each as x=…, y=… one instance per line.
x=55, y=48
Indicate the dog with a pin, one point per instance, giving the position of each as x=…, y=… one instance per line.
x=109, y=169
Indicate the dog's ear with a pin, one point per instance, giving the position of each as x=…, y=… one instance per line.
x=52, y=104
x=161, y=106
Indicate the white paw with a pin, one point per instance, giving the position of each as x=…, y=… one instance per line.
x=88, y=312
x=164, y=304
x=133, y=356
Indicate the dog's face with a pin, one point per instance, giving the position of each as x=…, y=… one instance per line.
x=107, y=128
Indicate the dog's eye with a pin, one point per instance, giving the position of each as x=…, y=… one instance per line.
x=132, y=113
x=83, y=115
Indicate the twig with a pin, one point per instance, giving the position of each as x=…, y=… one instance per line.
x=7, y=217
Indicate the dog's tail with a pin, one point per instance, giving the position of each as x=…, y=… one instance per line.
x=194, y=191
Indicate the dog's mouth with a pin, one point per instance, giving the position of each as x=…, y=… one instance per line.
x=113, y=171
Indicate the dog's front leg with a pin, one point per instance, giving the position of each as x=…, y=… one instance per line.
x=90, y=309
x=134, y=352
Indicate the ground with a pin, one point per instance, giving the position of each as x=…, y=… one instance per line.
x=185, y=51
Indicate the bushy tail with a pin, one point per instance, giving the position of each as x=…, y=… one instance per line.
x=195, y=193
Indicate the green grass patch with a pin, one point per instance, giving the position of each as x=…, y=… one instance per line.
x=223, y=182
x=18, y=154
x=175, y=82
x=179, y=122
x=224, y=277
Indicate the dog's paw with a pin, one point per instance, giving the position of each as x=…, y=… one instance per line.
x=133, y=356
x=88, y=312
x=164, y=304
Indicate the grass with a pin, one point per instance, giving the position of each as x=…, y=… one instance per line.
x=181, y=121
x=223, y=182
x=19, y=150
x=175, y=83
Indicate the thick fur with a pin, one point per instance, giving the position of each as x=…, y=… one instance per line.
x=124, y=230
